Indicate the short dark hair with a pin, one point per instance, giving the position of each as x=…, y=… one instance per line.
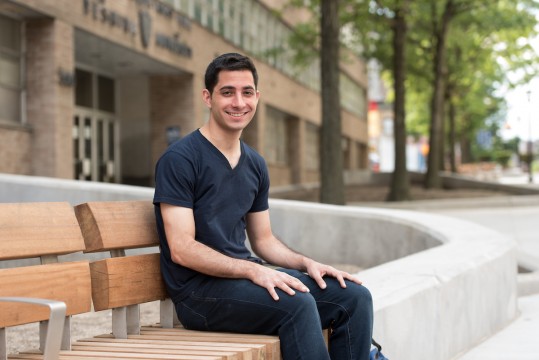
x=227, y=62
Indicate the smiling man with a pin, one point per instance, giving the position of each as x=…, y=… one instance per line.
x=211, y=188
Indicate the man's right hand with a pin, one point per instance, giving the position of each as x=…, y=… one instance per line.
x=271, y=279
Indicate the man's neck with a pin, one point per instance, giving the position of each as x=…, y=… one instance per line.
x=227, y=142
x=221, y=139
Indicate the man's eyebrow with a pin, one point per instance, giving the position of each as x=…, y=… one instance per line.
x=230, y=87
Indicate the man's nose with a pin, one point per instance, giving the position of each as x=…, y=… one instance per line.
x=238, y=100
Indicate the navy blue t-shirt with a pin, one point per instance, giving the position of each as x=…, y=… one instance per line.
x=193, y=173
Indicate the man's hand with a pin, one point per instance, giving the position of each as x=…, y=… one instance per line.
x=270, y=279
x=317, y=271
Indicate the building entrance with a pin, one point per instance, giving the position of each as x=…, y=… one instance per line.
x=95, y=128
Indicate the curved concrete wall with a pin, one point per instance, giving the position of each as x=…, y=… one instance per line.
x=440, y=285
x=431, y=304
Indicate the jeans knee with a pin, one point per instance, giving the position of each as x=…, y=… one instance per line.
x=303, y=304
x=362, y=298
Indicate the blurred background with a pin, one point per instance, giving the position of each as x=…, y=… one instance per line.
x=95, y=90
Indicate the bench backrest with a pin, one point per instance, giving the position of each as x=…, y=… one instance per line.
x=111, y=225
x=119, y=225
x=29, y=230
x=122, y=282
x=38, y=229
x=42, y=230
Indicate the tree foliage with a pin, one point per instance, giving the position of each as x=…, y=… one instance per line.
x=461, y=55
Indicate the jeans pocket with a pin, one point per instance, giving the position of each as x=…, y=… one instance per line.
x=190, y=318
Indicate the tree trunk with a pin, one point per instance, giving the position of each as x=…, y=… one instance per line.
x=331, y=155
x=465, y=147
x=400, y=183
x=432, y=178
x=452, y=136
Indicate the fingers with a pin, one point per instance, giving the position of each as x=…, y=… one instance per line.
x=340, y=276
x=319, y=280
x=353, y=278
x=286, y=283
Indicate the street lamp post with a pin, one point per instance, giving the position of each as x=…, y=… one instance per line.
x=530, y=143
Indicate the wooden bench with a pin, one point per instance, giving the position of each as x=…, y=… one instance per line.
x=50, y=292
x=123, y=281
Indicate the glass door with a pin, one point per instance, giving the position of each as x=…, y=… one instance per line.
x=95, y=128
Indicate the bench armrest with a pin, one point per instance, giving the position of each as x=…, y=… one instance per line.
x=55, y=327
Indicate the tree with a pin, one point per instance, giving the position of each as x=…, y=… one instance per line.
x=440, y=31
x=381, y=29
x=400, y=183
x=512, y=18
x=331, y=157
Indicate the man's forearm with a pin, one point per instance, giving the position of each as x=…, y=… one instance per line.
x=206, y=260
x=277, y=253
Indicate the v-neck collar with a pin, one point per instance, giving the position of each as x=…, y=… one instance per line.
x=220, y=155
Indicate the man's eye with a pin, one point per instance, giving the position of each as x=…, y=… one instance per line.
x=226, y=93
x=248, y=93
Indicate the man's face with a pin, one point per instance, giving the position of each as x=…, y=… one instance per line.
x=234, y=100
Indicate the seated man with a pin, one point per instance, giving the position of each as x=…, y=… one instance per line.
x=210, y=188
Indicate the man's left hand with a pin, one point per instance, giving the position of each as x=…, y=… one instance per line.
x=317, y=271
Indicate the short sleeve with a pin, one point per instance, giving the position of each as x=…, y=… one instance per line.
x=174, y=180
x=260, y=202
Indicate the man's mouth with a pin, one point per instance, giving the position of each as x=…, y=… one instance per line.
x=236, y=114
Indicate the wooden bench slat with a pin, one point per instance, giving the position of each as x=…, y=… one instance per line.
x=68, y=282
x=71, y=355
x=33, y=229
x=134, y=279
x=254, y=351
x=271, y=343
x=177, y=342
x=108, y=225
x=149, y=349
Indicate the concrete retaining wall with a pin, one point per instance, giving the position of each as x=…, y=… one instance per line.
x=440, y=285
x=432, y=304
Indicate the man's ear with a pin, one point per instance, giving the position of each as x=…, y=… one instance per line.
x=206, y=97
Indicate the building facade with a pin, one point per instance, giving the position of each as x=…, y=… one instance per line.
x=97, y=89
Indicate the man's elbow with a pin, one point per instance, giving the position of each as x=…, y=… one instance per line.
x=178, y=258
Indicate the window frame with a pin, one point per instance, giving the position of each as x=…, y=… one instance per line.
x=19, y=55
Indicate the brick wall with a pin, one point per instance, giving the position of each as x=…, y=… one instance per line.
x=50, y=104
x=171, y=104
x=13, y=144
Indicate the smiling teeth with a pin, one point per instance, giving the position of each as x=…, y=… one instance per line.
x=236, y=114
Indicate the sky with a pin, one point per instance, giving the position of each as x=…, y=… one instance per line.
x=523, y=112
x=523, y=109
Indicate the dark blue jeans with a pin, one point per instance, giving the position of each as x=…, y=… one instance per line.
x=238, y=305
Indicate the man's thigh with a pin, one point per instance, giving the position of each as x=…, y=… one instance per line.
x=334, y=301
x=238, y=305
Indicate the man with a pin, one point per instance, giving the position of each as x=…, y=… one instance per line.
x=210, y=188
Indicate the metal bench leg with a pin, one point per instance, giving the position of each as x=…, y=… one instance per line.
x=3, y=344
x=125, y=321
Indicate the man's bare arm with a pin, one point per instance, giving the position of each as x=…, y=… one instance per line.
x=274, y=251
x=179, y=226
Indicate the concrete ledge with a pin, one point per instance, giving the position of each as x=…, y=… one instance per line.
x=19, y=188
x=438, y=302
x=456, y=181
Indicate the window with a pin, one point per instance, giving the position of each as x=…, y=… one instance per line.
x=11, y=65
x=353, y=96
x=276, y=144
x=312, y=147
